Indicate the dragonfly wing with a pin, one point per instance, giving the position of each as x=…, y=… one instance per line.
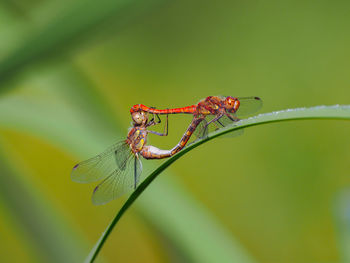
x=137, y=171
x=225, y=121
x=102, y=165
x=121, y=154
x=202, y=131
x=248, y=105
x=118, y=182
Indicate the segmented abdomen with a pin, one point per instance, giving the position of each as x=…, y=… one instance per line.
x=188, y=109
x=151, y=152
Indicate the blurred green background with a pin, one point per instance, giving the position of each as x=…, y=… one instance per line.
x=71, y=70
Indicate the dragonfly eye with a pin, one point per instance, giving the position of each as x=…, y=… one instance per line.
x=137, y=117
x=140, y=117
x=232, y=104
x=229, y=102
x=236, y=104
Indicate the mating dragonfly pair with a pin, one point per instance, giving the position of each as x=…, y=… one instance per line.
x=119, y=167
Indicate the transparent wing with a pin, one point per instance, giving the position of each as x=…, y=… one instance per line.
x=226, y=121
x=122, y=154
x=248, y=105
x=202, y=131
x=137, y=170
x=102, y=165
x=118, y=182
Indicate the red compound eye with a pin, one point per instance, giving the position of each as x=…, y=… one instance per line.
x=236, y=104
x=230, y=103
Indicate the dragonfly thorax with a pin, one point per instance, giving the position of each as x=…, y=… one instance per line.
x=137, y=138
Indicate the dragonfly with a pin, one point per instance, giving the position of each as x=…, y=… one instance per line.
x=119, y=167
x=217, y=110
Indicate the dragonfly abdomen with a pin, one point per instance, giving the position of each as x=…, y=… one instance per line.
x=140, y=107
x=187, y=135
x=151, y=152
x=188, y=109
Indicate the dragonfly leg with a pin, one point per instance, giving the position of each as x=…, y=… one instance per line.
x=217, y=118
x=159, y=120
x=232, y=118
x=220, y=123
x=165, y=132
x=158, y=133
x=153, y=122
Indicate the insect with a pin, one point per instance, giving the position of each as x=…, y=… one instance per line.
x=216, y=110
x=119, y=167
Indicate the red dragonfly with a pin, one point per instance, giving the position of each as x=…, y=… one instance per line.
x=119, y=167
x=220, y=111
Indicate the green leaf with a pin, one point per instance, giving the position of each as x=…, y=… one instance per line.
x=44, y=227
x=319, y=112
x=341, y=212
x=81, y=21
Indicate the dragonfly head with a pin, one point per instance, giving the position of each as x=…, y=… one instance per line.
x=231, y=104
x=135, y=108
x=139, y=117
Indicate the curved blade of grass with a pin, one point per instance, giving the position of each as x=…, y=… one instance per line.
x=318, y=112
